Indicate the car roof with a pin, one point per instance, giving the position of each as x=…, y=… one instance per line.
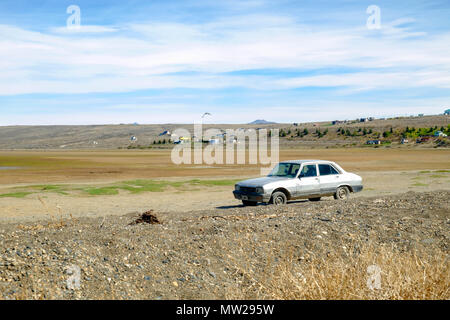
x=306, y=161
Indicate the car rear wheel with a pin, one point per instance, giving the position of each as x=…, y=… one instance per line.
x=249, y=203
x=315, y=199
x=279, y=198
x=342, y=193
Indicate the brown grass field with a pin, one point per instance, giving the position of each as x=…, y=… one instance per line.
x=104, y=166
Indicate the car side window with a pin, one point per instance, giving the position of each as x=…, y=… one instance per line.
x=294, y=170
x=308, y=171
x=326, y=170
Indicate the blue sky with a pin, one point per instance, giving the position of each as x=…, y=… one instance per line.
x=171, y=61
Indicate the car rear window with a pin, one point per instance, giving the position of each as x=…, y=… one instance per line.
x=326, y=170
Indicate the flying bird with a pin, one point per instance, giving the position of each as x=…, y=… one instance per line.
x=206, y=114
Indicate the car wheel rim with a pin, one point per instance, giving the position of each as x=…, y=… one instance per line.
x=342, y=194
x=279, y=200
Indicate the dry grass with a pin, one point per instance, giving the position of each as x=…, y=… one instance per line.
x=56, y=220
x=47, y=167
x=344, y=275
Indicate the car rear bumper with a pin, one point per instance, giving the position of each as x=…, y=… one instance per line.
x=251, y=196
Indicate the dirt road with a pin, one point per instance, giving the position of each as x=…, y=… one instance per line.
x=47, y=205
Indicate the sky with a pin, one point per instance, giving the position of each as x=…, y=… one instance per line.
x=172, y=61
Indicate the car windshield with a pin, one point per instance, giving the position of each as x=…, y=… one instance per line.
x=288, y=170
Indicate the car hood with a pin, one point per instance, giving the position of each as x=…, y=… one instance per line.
x=260, y=182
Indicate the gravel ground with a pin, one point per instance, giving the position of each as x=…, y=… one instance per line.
x=202, y=254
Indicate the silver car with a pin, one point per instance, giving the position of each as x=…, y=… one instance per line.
x=299, y=179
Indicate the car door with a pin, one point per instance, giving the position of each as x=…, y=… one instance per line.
x=329, y=179
x=308, y=181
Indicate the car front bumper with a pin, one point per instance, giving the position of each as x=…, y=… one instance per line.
x=256, y=197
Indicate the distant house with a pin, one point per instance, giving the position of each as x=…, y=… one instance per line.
x=423, y=139
x=214, y=141
x=363, y=120
x=447, y=112
x=420, y=114
x=373, y=142
x=182, y=140
x=439, y=134
x=133, y=139
x=164, y=133
x=179, y=140
x=404, y=141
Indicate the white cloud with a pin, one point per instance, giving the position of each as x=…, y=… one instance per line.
x=134, y=57
x=83, y=29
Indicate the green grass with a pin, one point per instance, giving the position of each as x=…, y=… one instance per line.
x=443, y=171
x=214, y=182
x=15, y=195
x=425, y=171
x=49, y=188
x=105, y=191
x=418, y=184
x=132, y=186
x=437, y=176
x=138, y=186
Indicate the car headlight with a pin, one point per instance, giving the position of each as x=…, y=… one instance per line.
x=237, y=187
x=259, y=190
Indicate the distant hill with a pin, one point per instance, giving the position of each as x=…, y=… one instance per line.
x=115, y=136
x=262, y=122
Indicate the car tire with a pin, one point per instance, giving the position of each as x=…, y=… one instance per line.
x=342, y=193
x=315, y=199
x=248, y=203
x=278, y=198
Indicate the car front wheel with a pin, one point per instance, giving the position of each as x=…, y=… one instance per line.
x=279, y=198
x=342, y=193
